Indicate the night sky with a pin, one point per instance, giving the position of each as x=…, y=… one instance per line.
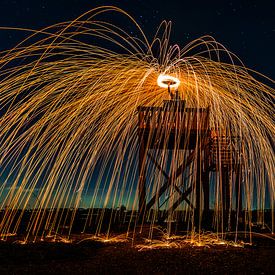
x=247, y=28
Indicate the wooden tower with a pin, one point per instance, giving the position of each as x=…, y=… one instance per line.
x=174, y=126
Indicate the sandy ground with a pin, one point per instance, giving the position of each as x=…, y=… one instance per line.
x=121, y=258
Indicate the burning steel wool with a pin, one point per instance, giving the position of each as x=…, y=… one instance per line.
x=77, y=100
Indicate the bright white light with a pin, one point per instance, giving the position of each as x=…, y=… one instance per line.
x=165, y=80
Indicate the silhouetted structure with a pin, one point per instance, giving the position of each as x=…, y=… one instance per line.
x=176, y=127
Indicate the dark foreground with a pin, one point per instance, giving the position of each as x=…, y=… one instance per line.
x=121, y=258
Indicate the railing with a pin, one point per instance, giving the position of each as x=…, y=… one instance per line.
x=224, y=150
x=173, y=118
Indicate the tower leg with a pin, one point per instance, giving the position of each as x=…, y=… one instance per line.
x=198, y=191
x=206, y=197
x=206, y=186
x=226, y=196
x=141, y=182
x=238, y=193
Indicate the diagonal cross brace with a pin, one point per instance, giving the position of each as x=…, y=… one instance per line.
x=169, y=181
x=167, y=177
x=179, y=201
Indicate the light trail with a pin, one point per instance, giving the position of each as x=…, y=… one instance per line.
x=68, y=128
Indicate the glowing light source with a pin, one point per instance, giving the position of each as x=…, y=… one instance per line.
x=165, y=81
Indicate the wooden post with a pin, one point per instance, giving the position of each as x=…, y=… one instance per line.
x=206, y=184
x=238, y=192
x=225, y=195
x=142, y=180
x=198, y=188
x=206, y=193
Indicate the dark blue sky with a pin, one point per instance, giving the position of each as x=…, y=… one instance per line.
x=246, y=27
